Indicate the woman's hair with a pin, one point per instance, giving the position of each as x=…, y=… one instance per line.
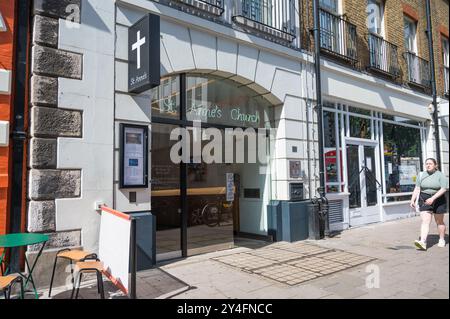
x=433, y=160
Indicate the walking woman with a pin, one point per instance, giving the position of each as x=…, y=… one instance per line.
x=431, y=187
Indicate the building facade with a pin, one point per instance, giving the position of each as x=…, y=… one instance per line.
x=377, y=87
x=224, y=65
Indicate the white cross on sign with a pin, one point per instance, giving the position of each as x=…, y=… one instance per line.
x=137, y=46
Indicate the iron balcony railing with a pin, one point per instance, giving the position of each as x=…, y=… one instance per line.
x=418, y=70
x=212, y=6
x=337, y=36
x=272, y=17
x=446, y=79
x=383, y=55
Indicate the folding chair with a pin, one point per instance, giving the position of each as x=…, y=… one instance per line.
x=73, y=256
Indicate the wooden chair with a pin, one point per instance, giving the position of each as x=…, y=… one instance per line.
x=7, y=282
x=89, y=267
x=73, y=256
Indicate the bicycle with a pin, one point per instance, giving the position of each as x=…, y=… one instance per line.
x=212, y=214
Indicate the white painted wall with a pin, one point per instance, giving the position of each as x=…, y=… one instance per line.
x=94, y=95
x=369, y=92
x=189, y=48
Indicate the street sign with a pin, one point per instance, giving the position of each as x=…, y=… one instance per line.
x=144, y=54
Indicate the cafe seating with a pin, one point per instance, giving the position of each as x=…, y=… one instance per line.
x=94, y=266
x=7, y=282
x=73, y=256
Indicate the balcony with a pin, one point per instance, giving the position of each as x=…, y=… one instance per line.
x=274, y=18
x=214, y=7
x=446, y=80
x=338, y=36
x=383, y=56
x=418, y=70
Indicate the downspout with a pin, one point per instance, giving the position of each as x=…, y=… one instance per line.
x=433, y=83
x=319, y=110
x=19, y=128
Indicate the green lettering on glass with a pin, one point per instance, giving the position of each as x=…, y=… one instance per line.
x=236, y=115
x=168, y=106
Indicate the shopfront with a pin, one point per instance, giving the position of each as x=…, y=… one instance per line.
x=372, y=161
x=204, y=192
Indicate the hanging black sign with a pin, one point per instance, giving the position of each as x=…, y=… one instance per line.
x=144, y=54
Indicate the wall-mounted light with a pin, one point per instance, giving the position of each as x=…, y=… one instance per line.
x=3, y=27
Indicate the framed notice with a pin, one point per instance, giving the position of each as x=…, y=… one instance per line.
x=133, y=156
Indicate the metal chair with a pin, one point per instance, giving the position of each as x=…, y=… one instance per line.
x=7, y=282
x=89, y=267
x=73, y=256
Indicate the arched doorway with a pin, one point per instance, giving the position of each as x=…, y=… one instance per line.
x=205, y=192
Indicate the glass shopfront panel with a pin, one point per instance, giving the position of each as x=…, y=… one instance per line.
x=220, y=101
x=165, y=194
x=222, y=197
x=402, y=158
x=166, y=98
x=360, y=127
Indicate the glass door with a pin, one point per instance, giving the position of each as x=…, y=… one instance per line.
x=211, y=200
x=165, y=194
x=363, y=184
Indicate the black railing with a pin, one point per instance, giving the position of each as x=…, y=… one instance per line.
x=383, y=55
x=418, y=70
x=446, y=79
x=213, y=6
x=337, y=36
x=273, y=17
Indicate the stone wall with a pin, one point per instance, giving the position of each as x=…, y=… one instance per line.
x=48, y=122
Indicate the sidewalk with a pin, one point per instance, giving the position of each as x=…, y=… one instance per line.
x=377, y=261
x=403, y=271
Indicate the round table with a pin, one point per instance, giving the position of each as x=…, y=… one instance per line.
x=18, y=240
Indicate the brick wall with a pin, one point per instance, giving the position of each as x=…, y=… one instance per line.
x=394, y=11
x=440, y=22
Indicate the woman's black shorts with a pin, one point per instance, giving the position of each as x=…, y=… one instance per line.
x=439, y=206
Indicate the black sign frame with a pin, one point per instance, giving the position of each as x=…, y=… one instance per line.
x=144, y=65
x=145, y=183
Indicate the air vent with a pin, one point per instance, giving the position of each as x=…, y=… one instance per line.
x=336, y=212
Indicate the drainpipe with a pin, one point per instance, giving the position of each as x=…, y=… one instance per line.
x=19, y=134
x=433, y=83
x=323, y=202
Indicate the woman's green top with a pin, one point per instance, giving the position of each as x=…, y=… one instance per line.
x=431, y=183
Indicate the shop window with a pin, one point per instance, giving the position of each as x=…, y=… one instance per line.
x=329, y=129
x=400, y=119
x=402, y=158
x=166, y=98
x=360, y=127
x=218, y=101
x=333, y=174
